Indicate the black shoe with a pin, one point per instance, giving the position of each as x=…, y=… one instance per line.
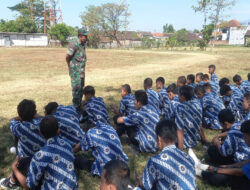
x=6, y=184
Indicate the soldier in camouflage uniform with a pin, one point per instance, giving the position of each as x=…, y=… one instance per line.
x=76, y=60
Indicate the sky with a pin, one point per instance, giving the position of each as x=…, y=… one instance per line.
x=146, y=15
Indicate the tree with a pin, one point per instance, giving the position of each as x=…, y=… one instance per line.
x=59, y=32
x=181, y=35
x=24, y=25
x=168, y=28
x=196, y=31
x=203, y=6
x=206, y=36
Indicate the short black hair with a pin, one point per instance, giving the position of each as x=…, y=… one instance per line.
x=50, y=107
x=205, y=77
x=141, y=96
x=191, y=77
x=199, y=74
x=26, y=109
x=187, y=92
x=160, y=79
x=127, y=88
x=237, y=78
x=148, y=82
x=172, y=88
x=182, y=79
x=199, y=89
x=223, y=81
x=117, y=173
x=49, y=126
x=247, y=96
x=89, y=90
x=248, y=76
x=224, y=89
x=212, y=66
x=167, y=130
x=207, y=86
x=245, y=127
x=226, y=115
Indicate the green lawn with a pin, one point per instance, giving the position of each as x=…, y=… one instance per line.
x=41, y=74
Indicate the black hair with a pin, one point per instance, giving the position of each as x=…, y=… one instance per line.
x=248, y=76
x=226, y=115
x=160, y=79
x=89, y=90
x=50, y=107
x=199, y=89
x=182, y=80
x=49, y=126
x=223, y=81
x=167, y=130
x=141, y=96
x=26, y=109
x=172, y=88
x=247, y=96
x=237, y=78
x=224, y=89
x=148, y=82
x=245, y=127
x=207, y=86
x=191, y=77
x=127, y=88
x=187, y=92
x=117, y=173
x=199, y=74
x=212, y=66
x=205, y=77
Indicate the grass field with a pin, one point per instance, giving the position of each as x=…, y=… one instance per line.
x=41, y=74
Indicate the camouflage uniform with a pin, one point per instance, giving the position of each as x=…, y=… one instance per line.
x=77, y=72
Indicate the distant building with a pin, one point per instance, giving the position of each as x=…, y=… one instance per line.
x=9, y=39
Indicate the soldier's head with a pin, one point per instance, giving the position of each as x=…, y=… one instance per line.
x=88, y=92
x=83, y=35
x=160, y=81
x=148, y=83
x=50, y=108
x=125, y=90
x=26, y=110
x=141, y=99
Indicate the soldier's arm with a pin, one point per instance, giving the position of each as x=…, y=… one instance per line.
x=68, y=59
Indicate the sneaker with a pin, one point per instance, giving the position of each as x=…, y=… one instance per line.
x=194, y=157
x=199, y=167
x=6, y=184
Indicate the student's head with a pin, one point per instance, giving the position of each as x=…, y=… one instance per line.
x=211, y=69
x=190, y=79
x=186, y=93
x=181, y=81
x=148, y=83
x=237, y=79
x=226, y=118
x=246, y=102
x=199, y=77
x=207, y=87
x=88, y=92
x=160, y=81
x=26, y=110
x=225, y=90
x=166, y=132
x=245, y=129
x=125, y=90
x=199, y=91
x=172, y=91
x=49, y=127
x=141, y=99
x=115, y=176
x=50, y=108
x=205, y=78
x=223, y=81
x=248, y=76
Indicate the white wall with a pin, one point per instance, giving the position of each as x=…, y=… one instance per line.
x=237, y=35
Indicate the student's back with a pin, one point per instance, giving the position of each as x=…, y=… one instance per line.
x=153, y=99
x=245, y=86
x=127, y=105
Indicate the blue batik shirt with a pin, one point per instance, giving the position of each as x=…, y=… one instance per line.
x=171, y=169
x=235, y=105
x=105, y=145
x=245, y=86
x=127, y=105
x=145, y=120
x=153, y=100
x=163, y=97
x=247, y=117
x=68, y=120
x=215, y=88
x=235, y=145
x=28, y=135
x=193, y=85
x=97, y=111
x=170, y=107
x=215, y=79
x=54, y=165
x=189, y=119
x=211, y=108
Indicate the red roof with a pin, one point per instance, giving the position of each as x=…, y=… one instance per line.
x=158, y=34
x=233, y=23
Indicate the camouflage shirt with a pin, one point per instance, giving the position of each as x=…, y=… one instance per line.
x=77, y=51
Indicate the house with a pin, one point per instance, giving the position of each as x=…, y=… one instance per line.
x=9, y=39
x=145, y=35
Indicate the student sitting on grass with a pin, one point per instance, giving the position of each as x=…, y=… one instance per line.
x=244, y=85
x=214, y=78
x=188, y=119
x=171, y=168
x=105, y=145
x=153, y=97
x=95, y=107
x=50, y=168
x=191, y=80
x=246, y=106
x=237, y=175
x=210, y=108
x=68, y=120
x=181, y=81
x=236, y=91
x=228, y=147
x=198, y=79
x=163, y=95
x=215, y=89
x=140, y=126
